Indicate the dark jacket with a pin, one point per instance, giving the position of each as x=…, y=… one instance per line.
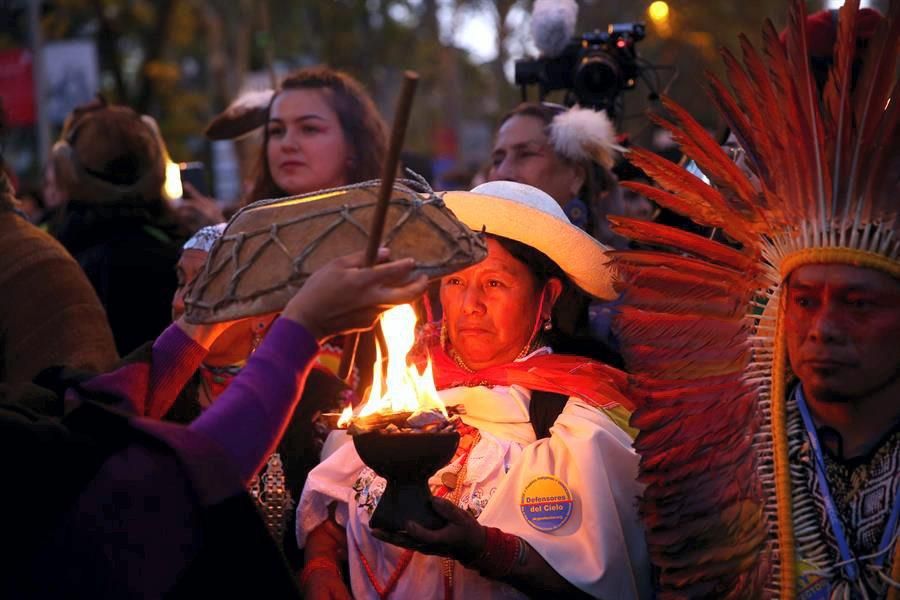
x=130, y=260
x=71, y=470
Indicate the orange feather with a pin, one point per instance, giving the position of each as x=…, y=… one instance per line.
x=653, y=233
x=718, y=161
x=756, y=142
x=749, y=139
x=794, y=179
x=678, y=283
x=744, y=91
x=706, y=199
x=773, y=126
x=798, y=57
x=837, y=95
x=699, y=212
x=681, y=264
x=660, y=299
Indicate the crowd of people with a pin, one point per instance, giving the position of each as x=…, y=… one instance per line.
x=709, y=410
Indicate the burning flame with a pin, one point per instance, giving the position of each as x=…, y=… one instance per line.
x=404, y=389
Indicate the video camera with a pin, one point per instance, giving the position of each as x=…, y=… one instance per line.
x=594, y=68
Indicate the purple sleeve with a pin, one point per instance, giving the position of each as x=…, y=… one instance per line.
x=175, y=358
x=150, y=389
x=248, y=419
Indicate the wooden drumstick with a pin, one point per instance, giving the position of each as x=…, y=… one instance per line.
x=391, y=163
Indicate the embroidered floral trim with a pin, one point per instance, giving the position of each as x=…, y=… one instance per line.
x=368, y=489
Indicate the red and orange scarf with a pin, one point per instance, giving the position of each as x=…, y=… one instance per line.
x=593, y=382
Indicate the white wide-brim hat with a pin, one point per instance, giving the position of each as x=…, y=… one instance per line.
x=526, y=214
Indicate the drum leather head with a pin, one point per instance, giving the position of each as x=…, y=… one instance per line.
x=271, y=246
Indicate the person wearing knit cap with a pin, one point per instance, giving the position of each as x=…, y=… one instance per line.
x=110, y=164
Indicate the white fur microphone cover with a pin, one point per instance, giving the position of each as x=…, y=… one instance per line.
x=553, y=25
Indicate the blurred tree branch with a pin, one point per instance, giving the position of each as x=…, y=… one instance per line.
x=153, y=42
x=109, y=53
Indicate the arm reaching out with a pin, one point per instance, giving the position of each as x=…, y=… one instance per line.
x=250, y=416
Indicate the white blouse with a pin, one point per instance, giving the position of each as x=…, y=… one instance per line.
x=600, y=549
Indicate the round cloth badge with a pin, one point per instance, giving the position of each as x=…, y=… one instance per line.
x=546, y=503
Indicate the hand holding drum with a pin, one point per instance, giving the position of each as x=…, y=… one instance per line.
x=346, y=296
x=341, y=296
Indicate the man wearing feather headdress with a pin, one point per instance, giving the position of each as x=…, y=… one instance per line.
x=767, y=369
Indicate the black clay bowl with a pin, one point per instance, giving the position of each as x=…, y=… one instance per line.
x=406, y=461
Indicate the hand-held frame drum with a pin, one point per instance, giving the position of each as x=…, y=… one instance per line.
x=271, y=246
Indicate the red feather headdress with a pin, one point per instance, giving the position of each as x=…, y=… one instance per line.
x=700, y=324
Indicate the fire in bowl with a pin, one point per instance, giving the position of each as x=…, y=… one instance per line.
x=403, y=431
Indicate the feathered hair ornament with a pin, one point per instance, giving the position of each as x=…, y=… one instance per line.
x=582, y=134
x=242, y=116
x=700, y=325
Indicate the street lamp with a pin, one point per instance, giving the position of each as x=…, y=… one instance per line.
x=658, y=12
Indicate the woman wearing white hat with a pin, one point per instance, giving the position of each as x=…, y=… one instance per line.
x=540, y=497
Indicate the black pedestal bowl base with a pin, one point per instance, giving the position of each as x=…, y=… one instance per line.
x=406, y=461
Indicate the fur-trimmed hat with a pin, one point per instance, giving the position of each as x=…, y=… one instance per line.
x=110, y=154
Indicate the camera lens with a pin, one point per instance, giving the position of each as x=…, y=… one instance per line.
x=597, y=78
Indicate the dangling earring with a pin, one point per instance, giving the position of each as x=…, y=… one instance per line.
x=548, y=325
x=443, y=334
